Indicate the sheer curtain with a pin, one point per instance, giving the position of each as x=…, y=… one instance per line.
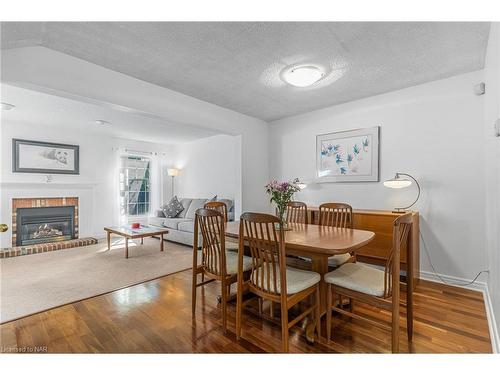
x=155, y=193
x=120, y=217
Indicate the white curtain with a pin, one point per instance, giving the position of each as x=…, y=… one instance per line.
x=155, y=194
x=121, y=219
x=156, y=182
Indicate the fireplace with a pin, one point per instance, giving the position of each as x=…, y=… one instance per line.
x=44, y=224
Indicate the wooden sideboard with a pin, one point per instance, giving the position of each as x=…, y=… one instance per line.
x=381, y=222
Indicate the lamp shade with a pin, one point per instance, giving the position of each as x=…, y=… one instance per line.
x=173, y=172
x=397, y=182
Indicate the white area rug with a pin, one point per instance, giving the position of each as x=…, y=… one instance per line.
x=33, y=283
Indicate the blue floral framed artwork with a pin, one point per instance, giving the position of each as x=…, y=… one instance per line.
x=348, y=156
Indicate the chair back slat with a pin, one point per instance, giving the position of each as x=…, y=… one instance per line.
x=400, y=235
x=210, y=223
x=266, y=245
x=296, y=212
x=218, y=206
x=336, y=215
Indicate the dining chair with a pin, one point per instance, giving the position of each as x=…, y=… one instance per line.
x=372, y=286
x=222, y=208
x=213, y=261
x=337, y=215
x=296, y=212
x=219, y=206
x=270, y=277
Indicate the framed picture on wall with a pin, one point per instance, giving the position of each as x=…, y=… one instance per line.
x=348, y=156
x=45, y=157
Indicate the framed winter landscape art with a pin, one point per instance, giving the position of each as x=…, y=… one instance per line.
x=348, y=156
x=44, y=157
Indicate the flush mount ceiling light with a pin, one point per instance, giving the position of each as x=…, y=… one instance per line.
x=7, y=106
x=102, y=122
x=302, y=76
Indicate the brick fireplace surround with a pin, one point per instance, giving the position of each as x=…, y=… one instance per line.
x=43, y=247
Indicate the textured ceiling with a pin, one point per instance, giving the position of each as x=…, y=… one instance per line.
x=237, y=65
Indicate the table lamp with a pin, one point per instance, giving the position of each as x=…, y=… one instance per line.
x=399, y=182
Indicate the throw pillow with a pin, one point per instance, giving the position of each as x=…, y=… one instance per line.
x=172, y=208
x=195, y=204
x=229, y=204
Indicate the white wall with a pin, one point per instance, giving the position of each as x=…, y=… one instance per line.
x=433, y=131
x=492, y=164
x=209, y=167
x=96, y=185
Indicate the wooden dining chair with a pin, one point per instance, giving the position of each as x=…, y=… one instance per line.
x=222, y=208
x=270, y=278
x=337, y=215
x=219, y=206
x=296, y=212
x=213, y=262
x=372, y=286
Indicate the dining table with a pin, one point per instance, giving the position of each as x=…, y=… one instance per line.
x=316, y=243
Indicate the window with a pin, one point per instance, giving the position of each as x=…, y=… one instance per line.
x=135, y=185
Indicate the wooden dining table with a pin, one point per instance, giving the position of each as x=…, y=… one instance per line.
x=317, y=243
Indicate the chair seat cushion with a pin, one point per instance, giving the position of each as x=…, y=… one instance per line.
x=296, y=280
x=232, y=262
x=358, y=277
x=338, y=260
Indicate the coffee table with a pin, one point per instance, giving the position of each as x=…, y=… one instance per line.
x=129, y=234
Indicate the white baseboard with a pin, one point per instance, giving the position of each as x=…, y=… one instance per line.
x=455, y=281
x=480, y=286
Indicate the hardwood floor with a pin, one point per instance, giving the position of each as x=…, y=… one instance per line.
x=156, y=317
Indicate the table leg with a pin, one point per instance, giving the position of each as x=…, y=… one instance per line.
x=126, y=248
x=319, y=265
x=161, y=242
x=142, y=240
x=409, y=287
x=108, y=235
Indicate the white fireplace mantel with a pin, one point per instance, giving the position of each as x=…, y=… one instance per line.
x=47, y=185
x=85, y=191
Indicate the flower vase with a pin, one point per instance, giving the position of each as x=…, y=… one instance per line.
x=284, y=223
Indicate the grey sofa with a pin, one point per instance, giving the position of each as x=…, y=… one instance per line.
x=181, y=227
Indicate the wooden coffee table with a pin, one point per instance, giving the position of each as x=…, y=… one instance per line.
x=129, y=234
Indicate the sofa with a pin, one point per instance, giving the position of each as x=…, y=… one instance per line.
x=181, y=227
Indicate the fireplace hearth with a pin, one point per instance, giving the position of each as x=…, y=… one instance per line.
x=45, y=224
